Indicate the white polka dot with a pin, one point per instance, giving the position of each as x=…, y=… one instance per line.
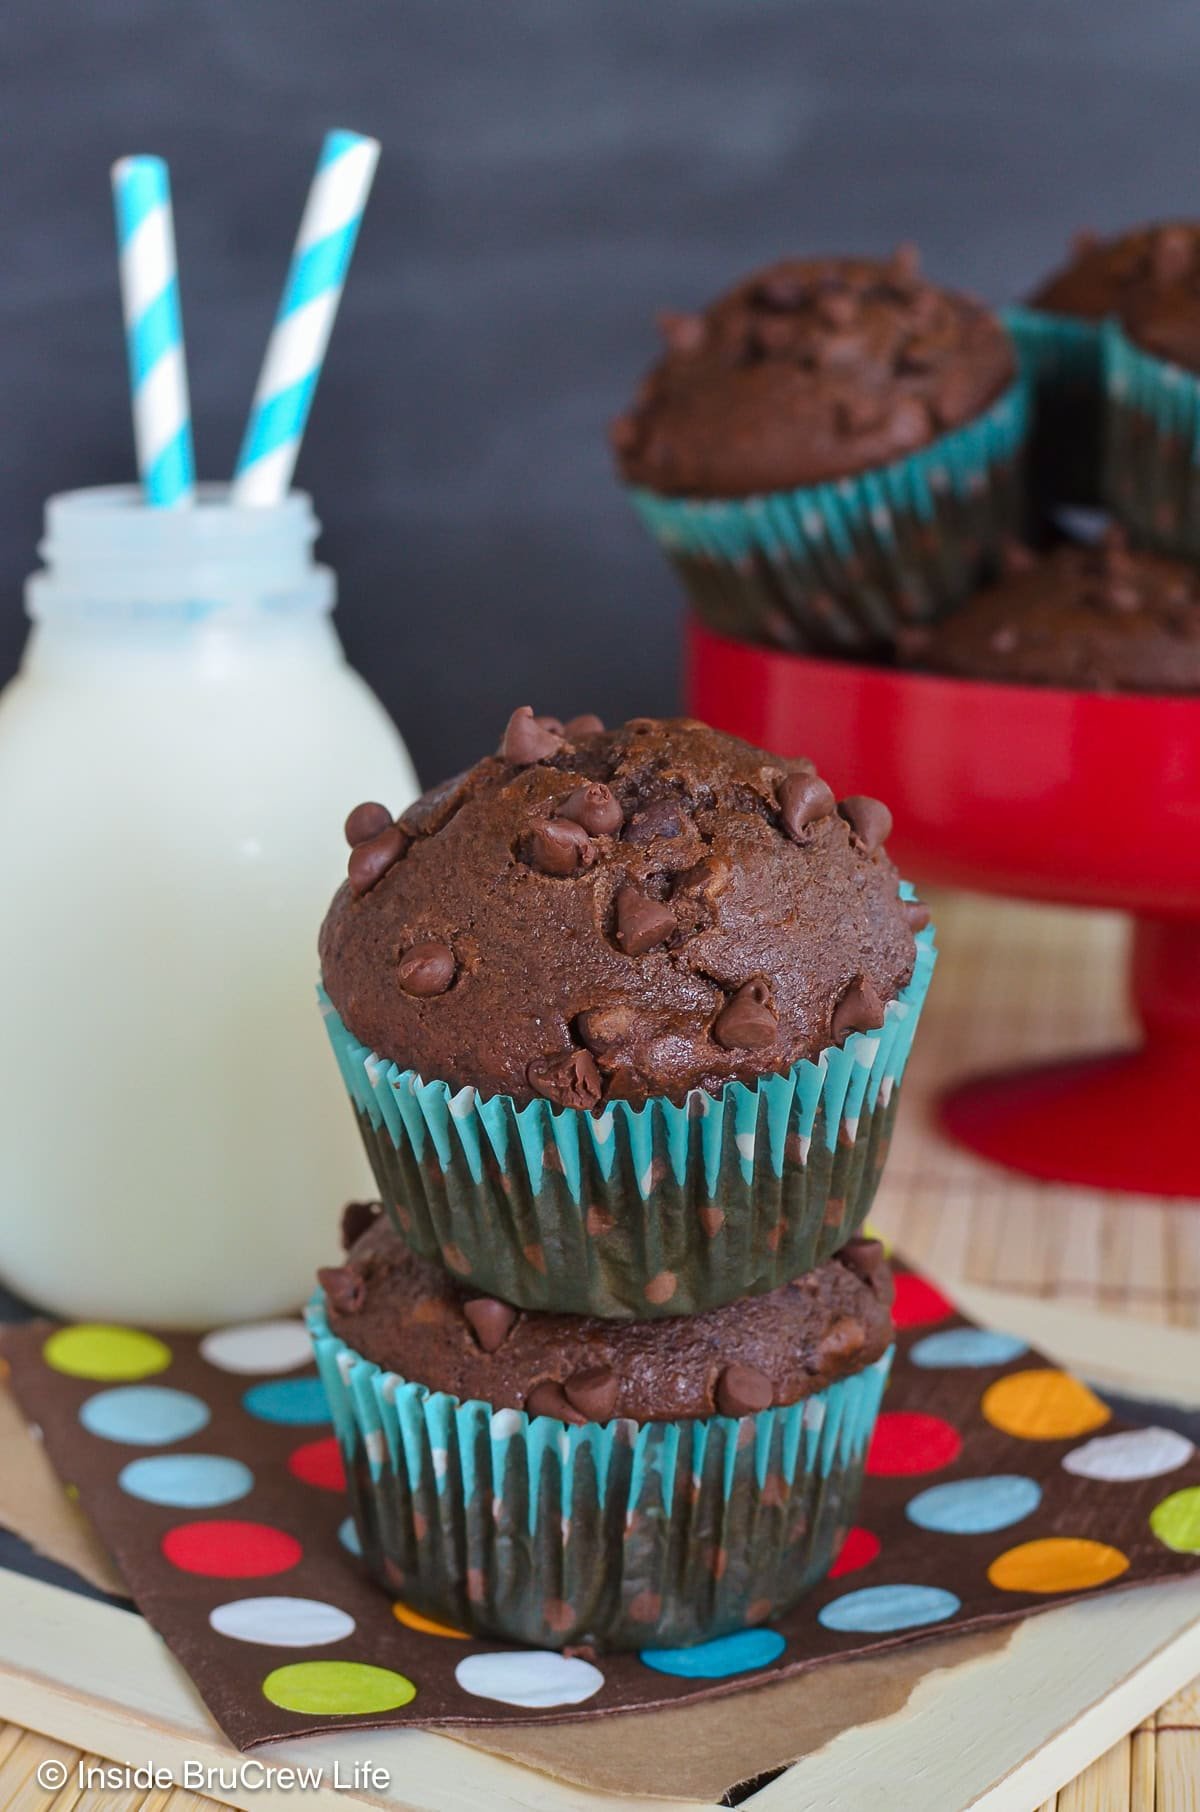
x=462, y=1105
x=258, y=1346
x=1137, y=1453
x=532, y=1677
x=506, y=1423
x=745, y=1144
x=440, y=1460
x=376, y=1444
x=282, y=1622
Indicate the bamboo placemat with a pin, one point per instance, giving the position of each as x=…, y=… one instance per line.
x=1013, y=983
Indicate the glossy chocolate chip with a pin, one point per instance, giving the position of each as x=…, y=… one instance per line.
x=704, y=880
x=345, y=1288
x=586, y=724
x=641, y=923
x=593, y=1392
x=917, y=913
x=661, y=818
x=559, y=846
x=747, y=1022
x=601, y=1028
x=595, y=807
x=868, y=1261
x=426, y=969
x=1171, y=254
x=742, y=1390
x=909, y=422
x=569, y=1079
x=366, y=821
x=838, y=307
x=528, y=739
x=859, y=1010
x=803, y=799
x=357, y=1217
x=869, y=820
x=550, y=1399
x=369, y=862
x=492, y=1321
x=681, y=333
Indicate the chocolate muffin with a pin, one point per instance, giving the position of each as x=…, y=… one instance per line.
x=561, y=1480
x=623, y=1015
x=828, y=452
x=1102, y=619
x=1111, y=276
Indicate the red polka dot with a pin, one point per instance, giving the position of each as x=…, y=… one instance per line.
x=859, y=1549
x=917, y=1303
x=231, y=1550
x=319, y=1463
x=906, y=1442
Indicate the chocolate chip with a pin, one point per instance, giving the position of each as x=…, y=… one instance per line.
x=345, y=1288
x=528, y=738
x=491, y=1321
x=857, y=415
x=859, y=1010
x=641, y=923
x=624, y=433
x=803, y=798
x=596, y=808
x=917, y=913
x=588, y=724
x=661, y=818
x=868, y=1261
x=603, y=1027
x=559, y=846
x=869, y=820
x=1170, y=254
x=838, y=307
x=366, y=821
x=549, y=1399
x=954, y=394
x=742, y=1390
x=909, y=423
x=681, y=333
x=905, y=263
x=593, y=1392
x=748, y=1021
x=569, y=1079
x=704, y=880
x=357, y=1219
x=369, y=862
x=426, y=969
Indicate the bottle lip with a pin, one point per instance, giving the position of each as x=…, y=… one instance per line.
x=116, y=519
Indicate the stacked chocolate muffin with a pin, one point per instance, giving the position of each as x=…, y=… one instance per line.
x=622, y=1015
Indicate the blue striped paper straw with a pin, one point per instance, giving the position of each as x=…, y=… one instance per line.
x=296, y=348
x=162, y=415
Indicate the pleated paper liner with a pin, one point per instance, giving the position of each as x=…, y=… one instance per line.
x=637, y=1212
x=1063, y=362
x=996, y=1486
x=1152, y=446
x=845, y=567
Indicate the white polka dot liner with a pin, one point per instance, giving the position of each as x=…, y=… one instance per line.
x=995, y=1485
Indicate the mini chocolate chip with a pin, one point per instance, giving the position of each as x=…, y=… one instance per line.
x=568, y=1078
x=838, y=307
x=859, y=1010
x=869, y=820
x=357, y=1219
x=641, y=923
x=742, y=1390
x=857, y=414
x=843, y=1339
x=603, y=1027
x=345, y=1288
x=868, y=1261
x=426, y=969
x=909, y=422
x=528, y=739
x=366, y=821
x=748, y=1021
x=559, y=846
x=596, y=808
x=681, y=333
x=661, y=818
x=917, y=913
x=803, y=798
x=369, y=862
x=491, y=1321
x=587, y=724
x=549, y=1399
x=1170, y=254
x=593, y=1392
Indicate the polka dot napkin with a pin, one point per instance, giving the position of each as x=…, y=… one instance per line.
x=997, y=1485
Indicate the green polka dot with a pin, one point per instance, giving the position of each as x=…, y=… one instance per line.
x=1176, y=1521
x=106, y=1354
x=329, y=1689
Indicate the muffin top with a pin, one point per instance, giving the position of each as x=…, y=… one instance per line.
x=598, y=914
x=809, y=370
x=1107, y=276
x=1104, y=618
x=410, y=1317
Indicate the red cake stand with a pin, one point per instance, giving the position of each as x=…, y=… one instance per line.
x=1072, y=797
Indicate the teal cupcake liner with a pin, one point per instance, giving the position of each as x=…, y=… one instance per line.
x=620, y=1535
x=845, y=567
x=1063, y=362
x=1152, y=446
x=664, y=1209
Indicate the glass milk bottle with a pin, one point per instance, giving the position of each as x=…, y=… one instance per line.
x=177, y=754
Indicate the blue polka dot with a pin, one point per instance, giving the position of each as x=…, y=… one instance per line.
x=190, y=1481
x=975, y=1506
x=966, y=1346
x=348, y=1536
x=735, y=1654
x=295, y=1402
x=144, y=1415
x=877, y=1609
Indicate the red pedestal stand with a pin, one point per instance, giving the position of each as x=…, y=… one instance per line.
x=1070, y=797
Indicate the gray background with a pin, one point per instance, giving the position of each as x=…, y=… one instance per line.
x=553, y=172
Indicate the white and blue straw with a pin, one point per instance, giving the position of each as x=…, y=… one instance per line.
x=162, y=417
x=296, y=348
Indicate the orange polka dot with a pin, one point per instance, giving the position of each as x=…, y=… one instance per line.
x=1058, y=1563
x=1043, y=1406
x=428, y=1626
